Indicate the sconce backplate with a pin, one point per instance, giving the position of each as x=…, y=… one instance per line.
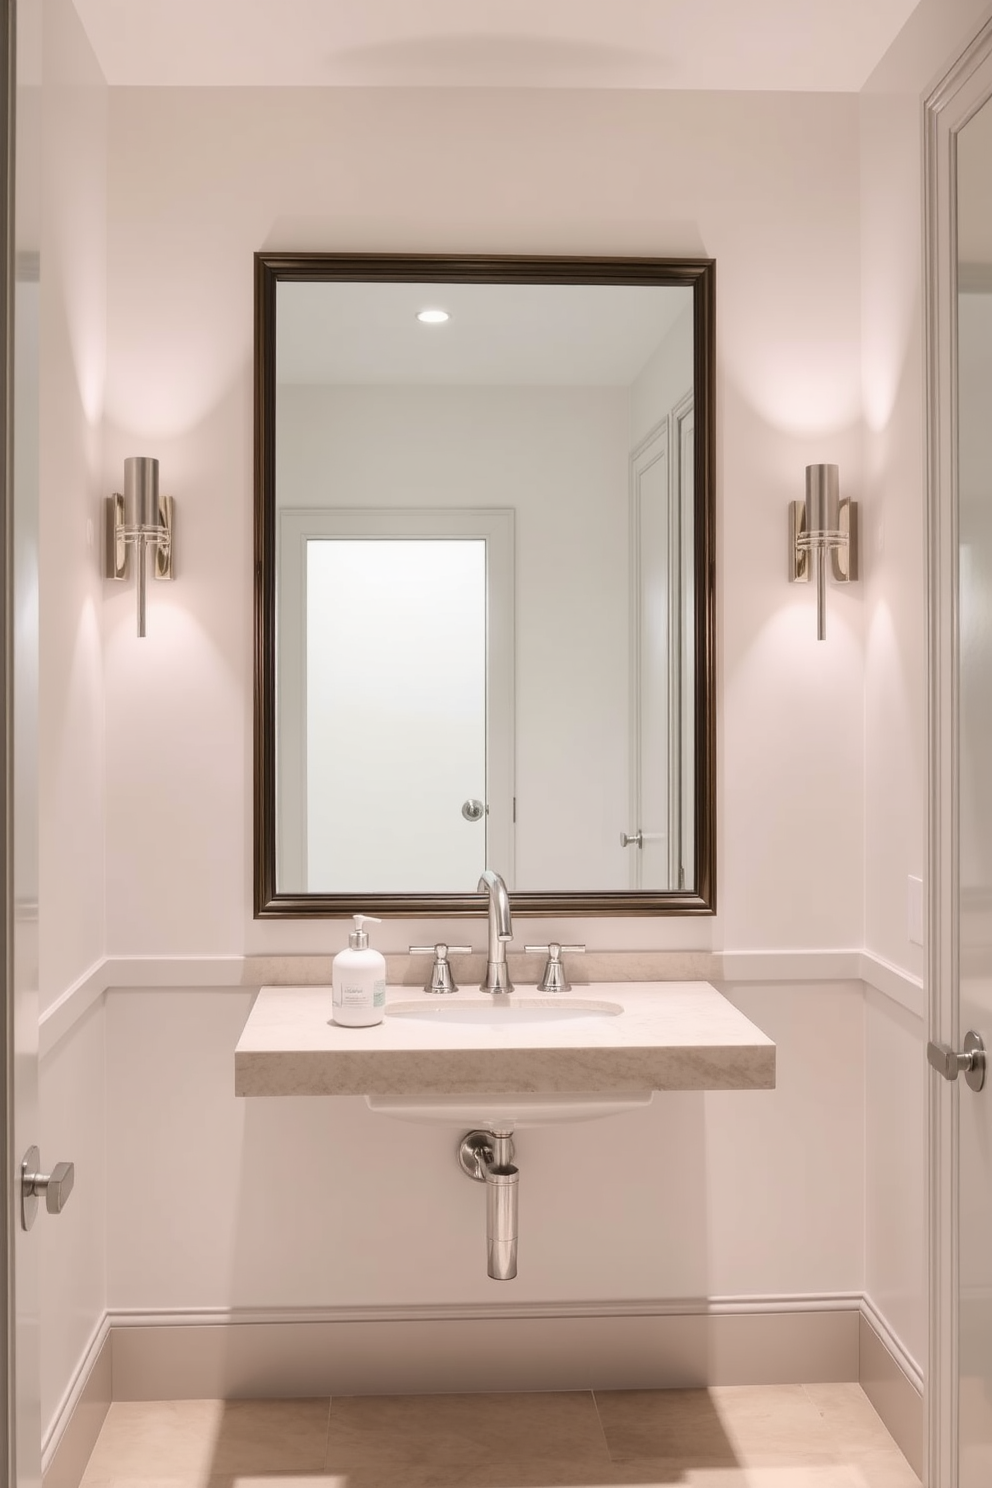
x=799, y=564
x=116, y=549
x=843, y=559
x=165, y=557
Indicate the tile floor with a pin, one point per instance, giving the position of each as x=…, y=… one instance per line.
x=786, y=1436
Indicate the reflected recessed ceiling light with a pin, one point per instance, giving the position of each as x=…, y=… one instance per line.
x=432, y=317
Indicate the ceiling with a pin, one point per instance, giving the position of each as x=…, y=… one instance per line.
x=791, y=45
x=564, y=335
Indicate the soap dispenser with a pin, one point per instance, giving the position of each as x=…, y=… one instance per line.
x=358, y=977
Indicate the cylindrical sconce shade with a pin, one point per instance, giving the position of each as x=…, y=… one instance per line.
x=822, y=502
x=141, y=491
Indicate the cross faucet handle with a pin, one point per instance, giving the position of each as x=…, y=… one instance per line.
x=554, y=979
x=440, y=978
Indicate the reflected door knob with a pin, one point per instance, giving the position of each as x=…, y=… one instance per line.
x=56, y=1186
x=473, y=810
x=970, y=1062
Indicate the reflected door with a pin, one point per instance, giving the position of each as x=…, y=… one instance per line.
x=975, y=788
x=395, y=714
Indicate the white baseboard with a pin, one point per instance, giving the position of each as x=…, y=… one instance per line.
x=581, y=1347
x=73, y=1431
x=893, y=1382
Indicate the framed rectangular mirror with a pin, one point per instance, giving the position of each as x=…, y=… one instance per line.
x=484, y=588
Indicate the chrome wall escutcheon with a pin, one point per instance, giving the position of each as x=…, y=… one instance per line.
x=971, y=1062
x=56, y=1186
x=476, y=1153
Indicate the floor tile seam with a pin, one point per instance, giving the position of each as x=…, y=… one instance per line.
x=327, y=1432
x=613, y=1461
x=602, y=1429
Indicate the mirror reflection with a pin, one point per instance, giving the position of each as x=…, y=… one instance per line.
x=485, y=586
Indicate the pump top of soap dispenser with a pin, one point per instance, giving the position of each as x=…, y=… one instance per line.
x=358, y=938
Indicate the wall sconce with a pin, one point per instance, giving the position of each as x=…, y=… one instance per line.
x=823, y=524
x=140, y=519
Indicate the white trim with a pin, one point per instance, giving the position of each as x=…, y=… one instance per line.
x=799, y=1302
x=56, y=1021
x=142, y=973
x=790, y=966
x=901, y=986
x=894, y=1396
x=893, y=1344
x=208, y=1357
x=56, y=1429
x=179, y=971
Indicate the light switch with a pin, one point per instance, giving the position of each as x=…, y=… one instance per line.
x=914, y=910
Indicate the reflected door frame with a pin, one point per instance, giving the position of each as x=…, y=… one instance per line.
x=668, y=446
x=297, y=526
x=955, y=100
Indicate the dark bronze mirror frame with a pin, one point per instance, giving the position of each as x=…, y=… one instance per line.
x=699, y=275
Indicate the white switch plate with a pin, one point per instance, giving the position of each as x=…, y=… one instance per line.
x=914, y=910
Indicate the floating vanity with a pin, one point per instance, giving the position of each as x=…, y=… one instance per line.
x=505, y=1061
x=612, y=1037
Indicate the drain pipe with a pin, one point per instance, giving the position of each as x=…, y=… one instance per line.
x=487, y=1157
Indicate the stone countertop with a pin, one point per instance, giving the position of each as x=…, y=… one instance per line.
x=670, y=1036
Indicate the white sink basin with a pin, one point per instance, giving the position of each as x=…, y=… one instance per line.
x=499, y=1012
x=507, y=1112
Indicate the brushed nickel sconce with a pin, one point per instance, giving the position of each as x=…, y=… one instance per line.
x=823, y=524
x=140, y=519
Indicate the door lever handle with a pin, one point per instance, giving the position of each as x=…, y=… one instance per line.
x=970, y=1062
x=56, y=1186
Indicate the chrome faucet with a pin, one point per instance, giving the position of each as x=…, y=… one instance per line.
x=497, y=978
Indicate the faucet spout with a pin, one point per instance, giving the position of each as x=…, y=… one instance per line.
x=497, y=978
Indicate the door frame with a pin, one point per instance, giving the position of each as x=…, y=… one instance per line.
x=955, y=99
x=8, y=1217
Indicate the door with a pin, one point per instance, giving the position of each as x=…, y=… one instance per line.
x=19, y=482
x=959, y=181
x=974, y=853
